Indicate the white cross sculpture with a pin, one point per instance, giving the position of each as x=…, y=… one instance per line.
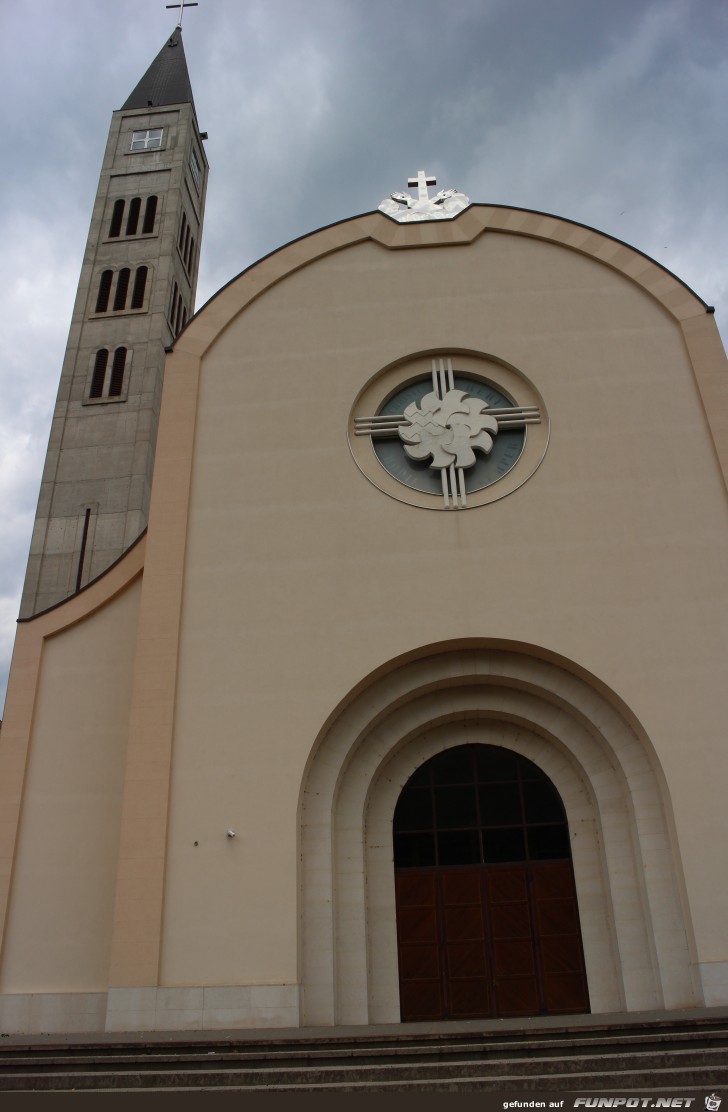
x=422, y=181
x=443, y=206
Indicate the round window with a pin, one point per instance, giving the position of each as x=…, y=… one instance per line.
x=448, y=432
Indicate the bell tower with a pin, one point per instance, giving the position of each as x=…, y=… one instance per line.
x=135, y=294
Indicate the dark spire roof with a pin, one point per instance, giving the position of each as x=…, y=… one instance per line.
x=167, y=80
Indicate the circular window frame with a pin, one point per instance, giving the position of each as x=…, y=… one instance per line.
x=504, y=377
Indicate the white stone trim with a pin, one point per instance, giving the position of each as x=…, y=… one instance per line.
x=203, y=1008
x=714, y=979
x=48, y=1012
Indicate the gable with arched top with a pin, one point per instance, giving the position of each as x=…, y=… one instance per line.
x=635, y=930
x=693, y=316
x=665, y=287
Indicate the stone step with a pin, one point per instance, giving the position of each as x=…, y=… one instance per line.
x=675, y=1082
x=708, y=1065
x=708, y=1034
x=655, y=1057
x=324, y=1048
x=419, y=1057
x=184, y=1054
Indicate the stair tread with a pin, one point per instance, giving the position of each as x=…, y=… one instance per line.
x=626, y=1056
x=641, y=1061
x=394, y=1043
x=568, y=1082
x=642, y=1045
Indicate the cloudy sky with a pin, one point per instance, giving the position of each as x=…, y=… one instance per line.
x=612, y=114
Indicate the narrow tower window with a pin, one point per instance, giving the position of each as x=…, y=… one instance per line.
x=82, y=553
x=186, y=252
x=173, y=307
x=122, y=288
x=117, y=372
x=116, y=218
x=182, y=229
x=178, y=319
x=133, y=222
x=196, y=171
x=97, y=379
x=150, y=213
x=191, y=254
x=140, y=283
x=102, y=301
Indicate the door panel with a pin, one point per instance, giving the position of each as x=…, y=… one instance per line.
x=421, y=1000
x=511, y=920
x=514, y=957
x=489, y=941
x=421, y=982
x=513, y=961
x=468, y=999
x=562, y=960
x=466, y=960
x=419, y=963
x=466, y=988
x=517, y=996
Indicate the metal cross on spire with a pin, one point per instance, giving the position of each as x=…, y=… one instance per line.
x=182, y=6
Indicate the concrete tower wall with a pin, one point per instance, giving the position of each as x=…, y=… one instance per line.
x=94, y=497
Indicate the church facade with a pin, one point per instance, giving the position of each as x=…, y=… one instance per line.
x=409, y=703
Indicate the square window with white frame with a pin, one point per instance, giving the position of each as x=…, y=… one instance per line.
x=148, y=140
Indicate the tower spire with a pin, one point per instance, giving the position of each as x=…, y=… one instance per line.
x=167, y=81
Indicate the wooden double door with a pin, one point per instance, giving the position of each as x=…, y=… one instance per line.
x=487, y=916
x=489, y=941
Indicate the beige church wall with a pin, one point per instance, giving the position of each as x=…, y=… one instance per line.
x=300, y=578
x=58, y=935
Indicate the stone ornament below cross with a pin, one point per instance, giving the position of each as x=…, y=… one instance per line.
x=405, y=208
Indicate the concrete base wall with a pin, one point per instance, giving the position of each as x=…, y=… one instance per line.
x=215, y=1008
x=198, y=1008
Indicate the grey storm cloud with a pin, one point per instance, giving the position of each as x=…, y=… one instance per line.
x=607, y=114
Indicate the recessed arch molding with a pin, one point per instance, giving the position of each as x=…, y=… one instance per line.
x=636, y=935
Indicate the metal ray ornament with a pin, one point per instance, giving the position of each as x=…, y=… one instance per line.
x=447, y=426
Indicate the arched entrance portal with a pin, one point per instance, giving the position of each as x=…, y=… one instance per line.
x=549, y=712
x=487, y=919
